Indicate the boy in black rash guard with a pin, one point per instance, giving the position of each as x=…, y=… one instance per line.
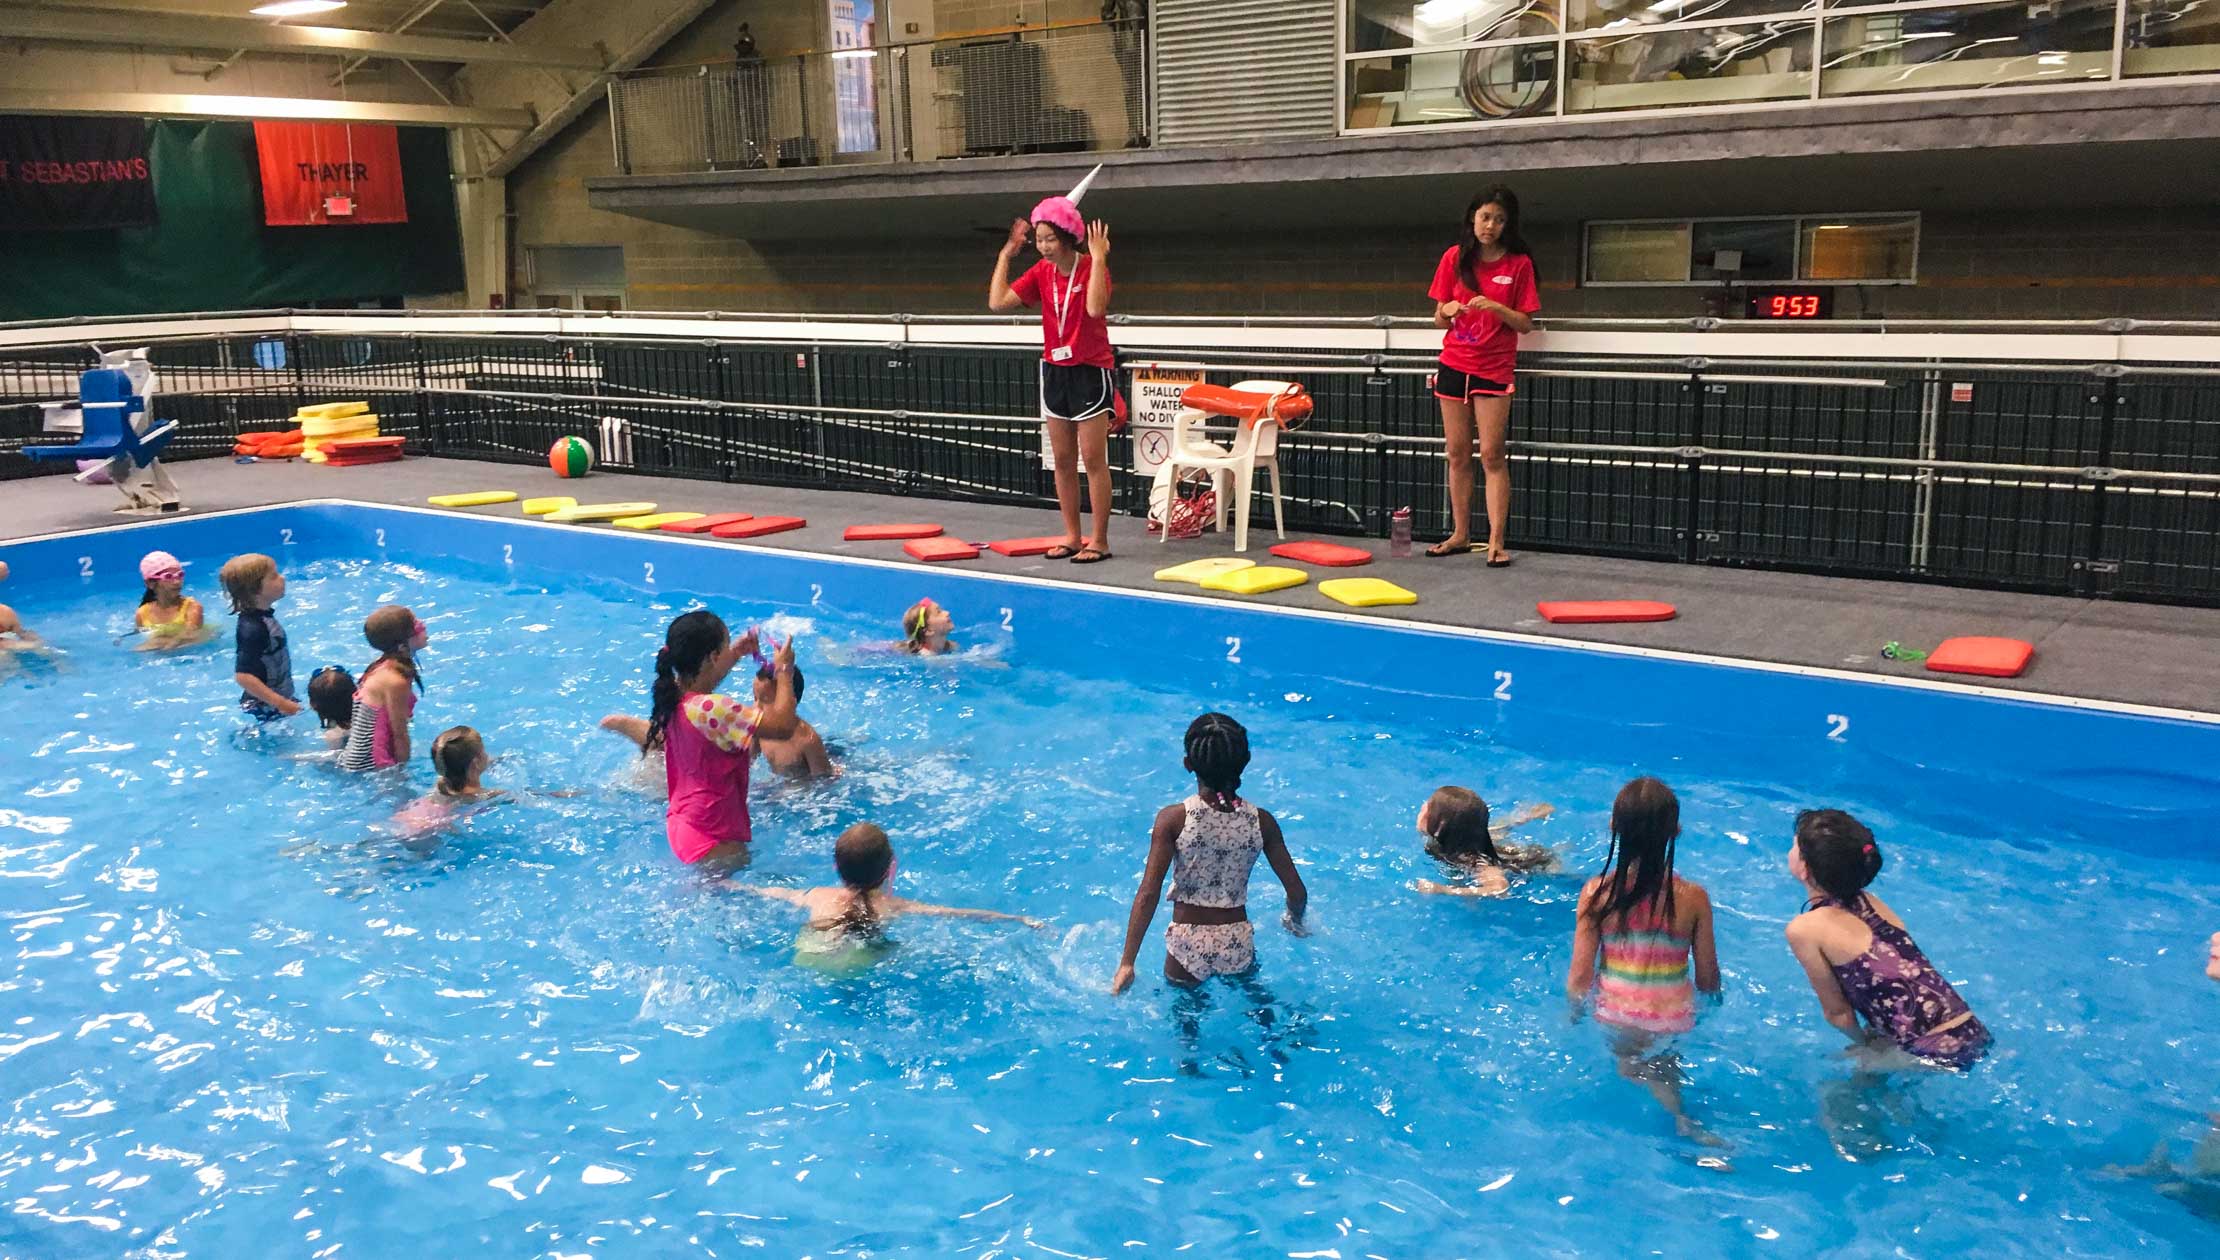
x=263, y=665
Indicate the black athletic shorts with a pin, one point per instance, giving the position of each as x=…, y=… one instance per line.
x=1456, y=386
x=1076, y=391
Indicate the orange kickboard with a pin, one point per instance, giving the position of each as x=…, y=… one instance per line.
x=1025, y=546
x=940, y=549
x=881, y=533
x=1974, y=654
x=1333, y=555
x=758, y=526
x=1593, y=611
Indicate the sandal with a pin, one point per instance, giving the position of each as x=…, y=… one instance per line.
x=1499, y=562
x=1061, y=551
x=1447, y=548
x=1090, y=555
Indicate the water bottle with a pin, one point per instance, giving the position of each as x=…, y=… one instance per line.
x=1399, y=534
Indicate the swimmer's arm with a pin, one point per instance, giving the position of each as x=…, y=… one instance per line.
x=905, y=906
x=1487, y=882
x=632, y=728
x=820, y=762
x=260, y=690
x=1803, y=941
x=192, y=614
x=793, y=897
x=1519, y=818
x=777, y=720
x=1162, y=839
x=1275, y=852
x=1704, y=952
x=1580, y=977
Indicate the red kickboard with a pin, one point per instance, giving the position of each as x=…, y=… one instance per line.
x=1590, y=611
x=1025, y=546
x=703, y=524
x=375, y=457
x=758, y=526
x=1973, y=654
x=940, y=549
x=364, y=446
x=877, y=533
x=1332, y=555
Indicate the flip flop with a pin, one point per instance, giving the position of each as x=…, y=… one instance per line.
x=1089, y=555
x=1443, y=550
x=1061, y=551
x=1499, y=562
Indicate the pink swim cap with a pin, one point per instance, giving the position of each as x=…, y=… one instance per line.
x=1061, y=212
x=159, y=564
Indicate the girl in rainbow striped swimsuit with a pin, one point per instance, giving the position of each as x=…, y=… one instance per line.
x=1641, y=930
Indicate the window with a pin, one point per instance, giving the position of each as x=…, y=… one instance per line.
x=576, y=277
x=1832, y=249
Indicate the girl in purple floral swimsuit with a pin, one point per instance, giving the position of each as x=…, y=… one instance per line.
x=1860, y=960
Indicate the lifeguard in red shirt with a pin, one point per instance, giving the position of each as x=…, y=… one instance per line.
x=1079, y=385
x=1484, y=297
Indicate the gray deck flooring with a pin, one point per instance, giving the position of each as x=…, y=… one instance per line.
x=2095, y=649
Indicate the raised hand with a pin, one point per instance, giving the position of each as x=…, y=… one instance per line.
x=1098, y=240
x=1020, y=233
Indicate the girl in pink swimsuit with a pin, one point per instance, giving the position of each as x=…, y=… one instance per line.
x=1642, y=945
x=385, y=695
x=709, y=738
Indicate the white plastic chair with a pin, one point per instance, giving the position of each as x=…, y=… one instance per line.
x=1256, y=446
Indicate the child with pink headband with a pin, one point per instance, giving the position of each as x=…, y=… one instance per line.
x=1078, y=371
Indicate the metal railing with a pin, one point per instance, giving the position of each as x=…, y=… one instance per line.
x=1070, y=87
x=2064, y=457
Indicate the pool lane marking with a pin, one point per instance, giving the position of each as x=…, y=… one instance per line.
x=2050, y=699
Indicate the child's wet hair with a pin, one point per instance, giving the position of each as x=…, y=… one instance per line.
x=864, y=857
x=453, y=754
x=692, y=639
x=390, y=629
x=767, y=673
x=242, y=578
x=1217, y=752
x=1457, y=827
x=1645, y=823
x=1839, y=853
x=331, y=696
x=915, y=622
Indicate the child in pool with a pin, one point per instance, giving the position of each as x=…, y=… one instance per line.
x=262, y=664
x=1859, y=959
x=1454, y=821
x=167, y=616
x=385, y=695
x=14, y=637
x=708, y=739
x=1639, y=932
x=459, y=757
x=801, y=755
x=1210, y=842
x=855, y=913
x=925, y=630
x=2212, y=961
x=331, y=697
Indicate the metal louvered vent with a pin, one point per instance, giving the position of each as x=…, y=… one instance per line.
x=1229, y=71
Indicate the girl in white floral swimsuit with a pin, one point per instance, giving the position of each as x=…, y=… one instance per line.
x=1210, y=842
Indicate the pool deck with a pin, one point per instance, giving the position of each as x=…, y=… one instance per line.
x=2143, y=654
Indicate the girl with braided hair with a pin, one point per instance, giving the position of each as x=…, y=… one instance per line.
x=1209, y=843
x=708, y=738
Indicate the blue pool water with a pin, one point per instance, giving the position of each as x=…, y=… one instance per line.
x=244, y=1018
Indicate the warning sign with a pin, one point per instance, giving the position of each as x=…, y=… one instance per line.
x=1156, y=391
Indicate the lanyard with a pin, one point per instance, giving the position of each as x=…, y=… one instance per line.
x=1063, y=306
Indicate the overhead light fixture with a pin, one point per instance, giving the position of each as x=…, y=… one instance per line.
x=296, y=8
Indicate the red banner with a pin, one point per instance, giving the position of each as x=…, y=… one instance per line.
x=330, y=173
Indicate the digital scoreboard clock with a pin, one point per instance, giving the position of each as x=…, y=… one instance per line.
x=1790, y=304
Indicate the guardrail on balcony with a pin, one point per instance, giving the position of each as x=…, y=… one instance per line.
x=2071, y=457
x=1062, y=88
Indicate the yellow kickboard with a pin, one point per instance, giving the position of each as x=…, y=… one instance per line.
x=653, y=520
x=331, y=410
x=1194, y=571
x=598, y=512
x=1365, y=592
x=553, y=503
x=474, y=498
x=1256, y=580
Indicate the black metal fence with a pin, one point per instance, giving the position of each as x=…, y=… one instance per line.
x=2100, y=480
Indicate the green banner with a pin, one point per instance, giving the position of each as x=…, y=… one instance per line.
x=209, y=251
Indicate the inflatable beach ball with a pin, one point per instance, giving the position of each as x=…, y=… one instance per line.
x=570, y=457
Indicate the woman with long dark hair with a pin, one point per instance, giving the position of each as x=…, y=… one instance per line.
x=1484, y=296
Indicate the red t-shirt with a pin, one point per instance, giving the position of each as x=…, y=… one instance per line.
x=1064, y=317
x=1478, y=343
